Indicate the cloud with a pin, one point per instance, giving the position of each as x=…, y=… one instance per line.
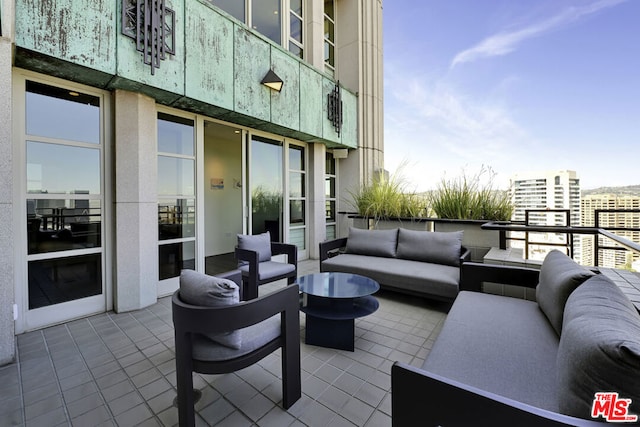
x=441, y=130
x=506, y=42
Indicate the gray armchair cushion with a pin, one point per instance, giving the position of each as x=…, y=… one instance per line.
x=253, y=337
x=269, y=269
x=210, y=291
x=260, y=243
x=380, y=243
x=427, y=246
x=559, y=276
x=599, y=348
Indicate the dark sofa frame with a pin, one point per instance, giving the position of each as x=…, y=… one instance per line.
x=422, y=398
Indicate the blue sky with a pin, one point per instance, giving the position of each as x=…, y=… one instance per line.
x=516, y=86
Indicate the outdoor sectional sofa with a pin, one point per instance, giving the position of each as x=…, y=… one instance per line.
x=506, y=361
x=420, y=263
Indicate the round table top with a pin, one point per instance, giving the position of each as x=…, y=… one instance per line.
x=337, y=285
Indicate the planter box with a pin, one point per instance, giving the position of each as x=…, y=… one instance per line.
x=478, y=241
x=388, y=224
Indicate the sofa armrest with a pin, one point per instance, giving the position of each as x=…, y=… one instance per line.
x=474, y=273
x=422, y=398
x=465, y=255
x=331, y=245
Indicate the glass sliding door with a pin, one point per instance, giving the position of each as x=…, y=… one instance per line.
x=266, y=187
x=297, y=197
x=65, y=206
x=176, y=199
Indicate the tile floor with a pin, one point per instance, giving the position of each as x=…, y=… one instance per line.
x=119, y=369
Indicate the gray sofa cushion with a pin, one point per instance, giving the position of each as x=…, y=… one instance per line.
x=499, y=344
x=204, y=290
x=599, y=348
x=413, y=276
x=380, y=243
x=430, y=246
x=559, y=276
x=260, y=243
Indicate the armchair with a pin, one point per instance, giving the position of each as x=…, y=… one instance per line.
x=254, y=257
x=264, y=325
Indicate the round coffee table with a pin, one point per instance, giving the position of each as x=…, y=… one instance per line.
x=332, y=302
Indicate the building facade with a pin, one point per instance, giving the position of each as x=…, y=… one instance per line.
x=625, y=224
x=539, y=192
x=138, y=137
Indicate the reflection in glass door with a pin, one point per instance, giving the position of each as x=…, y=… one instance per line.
x=266, y=189
x=65, y=206
x=176, y=199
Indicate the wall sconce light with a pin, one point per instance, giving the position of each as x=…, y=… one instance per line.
x=272, y=81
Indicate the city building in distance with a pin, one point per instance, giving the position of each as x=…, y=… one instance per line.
x=551, y=198
x=614, y=222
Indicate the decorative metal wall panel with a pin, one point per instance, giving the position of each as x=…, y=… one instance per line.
x=334, y=108
x=151, y=24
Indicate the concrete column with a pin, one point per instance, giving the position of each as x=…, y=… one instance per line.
x=317, y=222
x=359, y=68
x=314, y=39
x=7, y=283
x=136, y=201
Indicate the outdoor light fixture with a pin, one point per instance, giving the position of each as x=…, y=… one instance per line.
x=273, y=81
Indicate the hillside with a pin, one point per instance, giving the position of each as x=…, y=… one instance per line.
x=631, y=190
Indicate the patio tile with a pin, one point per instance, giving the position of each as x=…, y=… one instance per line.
x=257, y=407
x=124, y=403
x=348, y=383
x=134, y=416
x=217, y=411
x=162, y=402
x=334, y=399
x=118, y=390
x=119, y=369
x=276, y=417
x=96, y=416
x=84, y=405
x=379, y=419
x=43, y=406
x=79, y=392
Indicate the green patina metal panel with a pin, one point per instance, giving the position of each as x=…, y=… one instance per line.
x=170, y=75
x=349, y=132
x=216, y=70
x=209, y=56
x=311, y=101
x=82, y=32
x=251, y=64
x=285, y=106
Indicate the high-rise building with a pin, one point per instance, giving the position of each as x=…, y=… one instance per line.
x=539, y=192
x=614, y=221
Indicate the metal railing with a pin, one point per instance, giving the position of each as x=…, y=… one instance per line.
x=597, y=231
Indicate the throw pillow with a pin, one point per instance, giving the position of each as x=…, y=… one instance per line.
x=559, y=276
x=430, y=246
x=260, y=243
x=210, y=291
x=380, y=243
x=599, y=348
